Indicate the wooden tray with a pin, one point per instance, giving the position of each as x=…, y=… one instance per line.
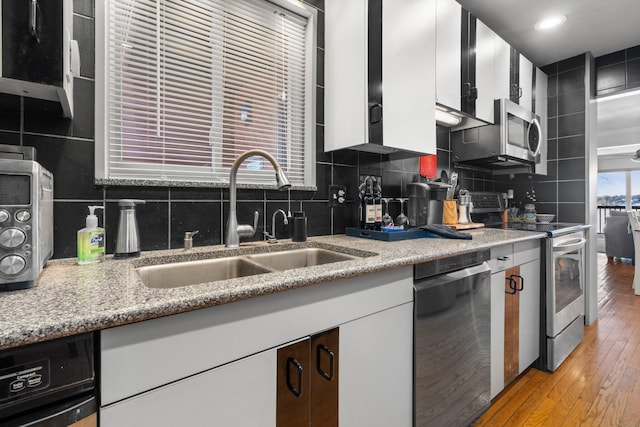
x=467, y=226
x=414, y=233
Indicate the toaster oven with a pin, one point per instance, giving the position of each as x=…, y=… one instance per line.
x=26, y=222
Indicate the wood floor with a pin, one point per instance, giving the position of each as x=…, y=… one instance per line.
x=599, y=384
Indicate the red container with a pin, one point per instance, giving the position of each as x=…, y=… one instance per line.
x=428, y=166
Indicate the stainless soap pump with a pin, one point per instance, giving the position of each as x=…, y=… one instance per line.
x=128, y=240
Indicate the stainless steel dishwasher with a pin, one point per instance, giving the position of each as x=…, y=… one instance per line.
x=452, y=316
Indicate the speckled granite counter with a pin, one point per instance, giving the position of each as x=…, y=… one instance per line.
x=70, y=299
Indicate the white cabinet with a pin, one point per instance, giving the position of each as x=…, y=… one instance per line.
x=485, y=42
x=529, y=321
x=513, y=74
x=240, y=394
x=515, y=311
x=377, y=350
x=379, y=76
x=469, y=90
x=190, y=366
x=540, y=109
x=448, y=53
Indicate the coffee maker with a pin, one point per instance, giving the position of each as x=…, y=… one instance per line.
x=425, y=202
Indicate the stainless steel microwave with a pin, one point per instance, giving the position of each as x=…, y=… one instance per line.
x=26, y=222
x=516, y=143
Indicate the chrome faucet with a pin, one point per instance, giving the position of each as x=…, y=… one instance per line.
x=271, y=238
x=235, y=231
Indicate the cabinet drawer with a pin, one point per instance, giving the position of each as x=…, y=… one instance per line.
x=526, y=252
x=501, y=258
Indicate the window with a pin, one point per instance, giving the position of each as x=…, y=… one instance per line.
x=183, y=87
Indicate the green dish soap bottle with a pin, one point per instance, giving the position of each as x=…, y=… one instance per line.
x=91, y=240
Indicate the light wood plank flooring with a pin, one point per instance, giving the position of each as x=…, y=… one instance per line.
x=599, y=384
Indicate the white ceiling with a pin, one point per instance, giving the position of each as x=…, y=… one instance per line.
x=596, y=26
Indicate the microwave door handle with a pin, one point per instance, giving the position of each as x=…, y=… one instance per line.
x=570, y=246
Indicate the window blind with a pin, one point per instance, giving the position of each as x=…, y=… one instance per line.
x=191, y=85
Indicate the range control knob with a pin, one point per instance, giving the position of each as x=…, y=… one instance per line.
x=12, y=238
x=12, y=265
x=23, y=216
x=4, y=215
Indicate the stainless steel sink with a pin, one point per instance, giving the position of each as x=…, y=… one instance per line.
x=185, y=273
x=298, y=258
x=174, y=275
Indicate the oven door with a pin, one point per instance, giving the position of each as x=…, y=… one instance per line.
x=565, y=281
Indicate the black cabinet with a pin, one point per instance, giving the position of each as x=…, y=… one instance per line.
x=32, y=41
x=38, y=55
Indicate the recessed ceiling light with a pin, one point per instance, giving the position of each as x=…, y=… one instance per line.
x=550, y=22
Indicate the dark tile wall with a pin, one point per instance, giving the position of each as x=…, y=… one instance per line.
x=66, y=147
x=618, y=71
x=562, y=191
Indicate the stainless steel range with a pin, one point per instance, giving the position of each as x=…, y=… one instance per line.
x=563, y=272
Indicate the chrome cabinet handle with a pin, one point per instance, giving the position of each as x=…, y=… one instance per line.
x=33, y=20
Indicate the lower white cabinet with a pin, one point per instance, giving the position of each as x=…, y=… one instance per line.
x=242, y=393
x=515, y=311
x=219, y=366
x=376, y=369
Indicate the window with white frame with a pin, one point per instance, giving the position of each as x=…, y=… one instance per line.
x=183, y=87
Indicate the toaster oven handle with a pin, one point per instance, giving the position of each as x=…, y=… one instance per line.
x=569, y=246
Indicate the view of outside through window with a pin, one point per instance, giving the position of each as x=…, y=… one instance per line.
x=613, y=191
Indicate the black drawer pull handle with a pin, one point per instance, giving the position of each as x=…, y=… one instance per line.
x=296, y=391
x=521, y=280
x=512, y=286
x=323, y=348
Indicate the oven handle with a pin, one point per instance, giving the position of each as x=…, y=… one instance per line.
x=569, y=246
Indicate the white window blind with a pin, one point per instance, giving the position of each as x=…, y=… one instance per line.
x=190, y=85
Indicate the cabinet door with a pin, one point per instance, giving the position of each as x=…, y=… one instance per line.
x=293, y=388
x=376, y=369
x=448, y=54
x=511, y=324
x=497, y=332
x=529, y=315
x=32, y=41
x=325, y=357
x=540, y=104
x=502, y=68
x=485, y=39
x=239, y=394
x=526, y=82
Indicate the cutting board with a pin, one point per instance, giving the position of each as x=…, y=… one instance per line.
x=467, y=226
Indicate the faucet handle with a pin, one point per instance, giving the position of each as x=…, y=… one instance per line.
x=247, y=230
x=188, y=238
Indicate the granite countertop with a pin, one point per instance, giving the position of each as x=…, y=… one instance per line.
x=68, y=299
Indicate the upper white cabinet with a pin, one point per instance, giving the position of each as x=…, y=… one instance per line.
x=448, y=53
x=379, y=76
x=485, y=69
x=513, y=74
x=525, y=79
x=464, y=62
x=540, y=109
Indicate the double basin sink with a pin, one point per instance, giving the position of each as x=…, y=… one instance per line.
x=185, y=273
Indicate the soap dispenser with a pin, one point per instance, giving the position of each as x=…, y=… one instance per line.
x=91, y=240
x=128, y=239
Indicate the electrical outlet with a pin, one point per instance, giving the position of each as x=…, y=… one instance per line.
x=337, y=196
